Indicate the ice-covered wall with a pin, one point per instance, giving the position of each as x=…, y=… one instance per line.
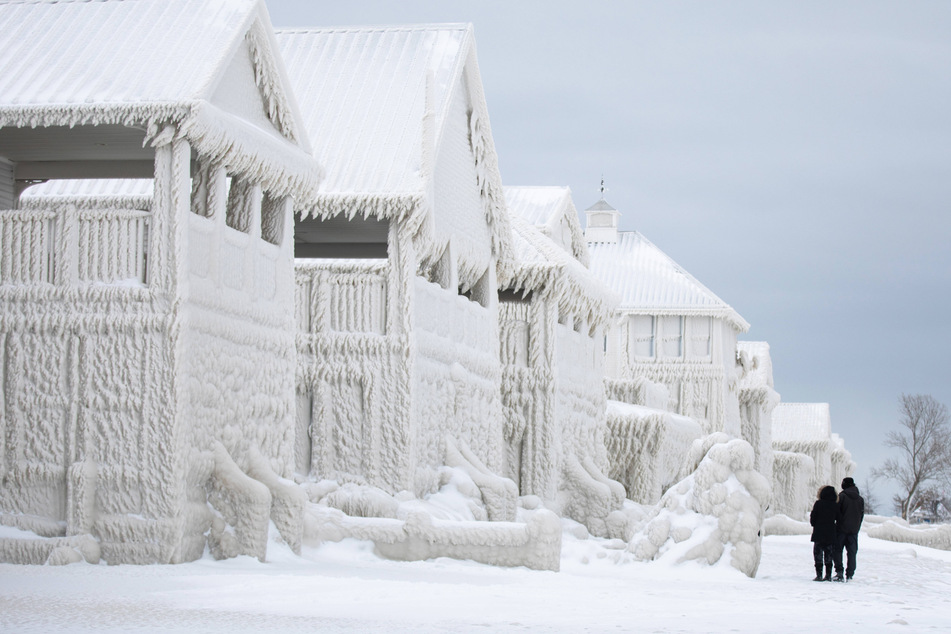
x=90, y=434
x=457, y=375
x=646, y=448
x=458, y=202
x=793, y=490
x=555, y=411
x=353, y=369
x=236, y=344
x=806, y=428
x=161, y=332
x=693, y=357
x=757, y=400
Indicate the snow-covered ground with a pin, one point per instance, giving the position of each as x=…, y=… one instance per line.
x=345, y=587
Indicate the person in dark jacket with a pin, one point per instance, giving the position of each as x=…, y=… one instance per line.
x=822, y=518
x=847, y=525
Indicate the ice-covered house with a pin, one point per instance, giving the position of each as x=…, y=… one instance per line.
x=399, y=254
x=804, y=430
x=670, y=357
x=669, y=329
x=758, y=399
x=552, y=314
x=842, y=463
x=147, y=345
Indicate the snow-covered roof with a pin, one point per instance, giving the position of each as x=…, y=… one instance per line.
x=552, y=211
x=801, y=422
x=542, y=265
x=649, y=282
x=601, y=205
x=759, y=365
x=364, y=97
x=169, y=67
x=375, y=101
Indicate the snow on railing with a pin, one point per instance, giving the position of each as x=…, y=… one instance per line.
x=27, y=247
x=342, y=296
x=70, y=246
x=112, y=245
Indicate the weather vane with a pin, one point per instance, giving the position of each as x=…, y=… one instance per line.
x=602, y=186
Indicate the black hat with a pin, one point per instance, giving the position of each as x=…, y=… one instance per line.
x=848, y=483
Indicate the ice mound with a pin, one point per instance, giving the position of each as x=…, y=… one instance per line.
x=715, y=511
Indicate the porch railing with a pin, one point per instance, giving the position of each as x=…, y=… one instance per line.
x=341, y=296
x=74, y=246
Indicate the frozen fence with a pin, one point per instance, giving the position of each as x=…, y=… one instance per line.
x=70, y=246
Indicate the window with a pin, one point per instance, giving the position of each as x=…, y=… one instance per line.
x=244, y=201
x=699, y=337
x=642, y=336
x=273, y=209
x=672, y=336
x=208, y=186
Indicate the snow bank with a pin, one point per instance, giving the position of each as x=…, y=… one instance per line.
x=25, y=547
x=896, y=531
x=782, y=525
x=714, y=511
x=447, y=523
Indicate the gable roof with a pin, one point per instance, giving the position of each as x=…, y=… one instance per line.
x=375, y=101
x=549, y=209
x=364, y=97
x=120, y=62
x=649, y=282
x=801, y=422
x=543, y=266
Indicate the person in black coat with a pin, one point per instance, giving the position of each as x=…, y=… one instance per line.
x=823, y=518
x=847, y=526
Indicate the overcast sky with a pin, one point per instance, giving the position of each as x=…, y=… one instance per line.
x=794, y=156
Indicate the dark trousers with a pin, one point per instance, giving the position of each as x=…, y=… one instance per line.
x=822, y=555
x=850, y=542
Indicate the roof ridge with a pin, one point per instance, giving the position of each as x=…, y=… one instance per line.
x=375, y=28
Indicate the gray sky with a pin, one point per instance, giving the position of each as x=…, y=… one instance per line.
x=794, y=156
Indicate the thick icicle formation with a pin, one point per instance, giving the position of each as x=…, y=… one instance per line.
x=713, y=514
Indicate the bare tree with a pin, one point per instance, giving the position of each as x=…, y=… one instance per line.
x=871, y=500
x=924, y=446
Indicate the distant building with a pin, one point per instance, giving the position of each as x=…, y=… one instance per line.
x=669, y=328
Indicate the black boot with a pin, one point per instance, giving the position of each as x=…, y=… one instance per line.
x=838, y=577
x=828, y=576
x=818, y=572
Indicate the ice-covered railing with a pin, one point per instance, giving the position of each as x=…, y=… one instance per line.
x=341, y=296
x=65, y=246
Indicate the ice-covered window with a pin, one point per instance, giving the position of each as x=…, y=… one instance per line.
x=480, y=292
x=642, y=336
x=578, y=324
x=205, y=197
x=244, y=200
x=672, y=336
x=273, y=209
x=699, y=337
